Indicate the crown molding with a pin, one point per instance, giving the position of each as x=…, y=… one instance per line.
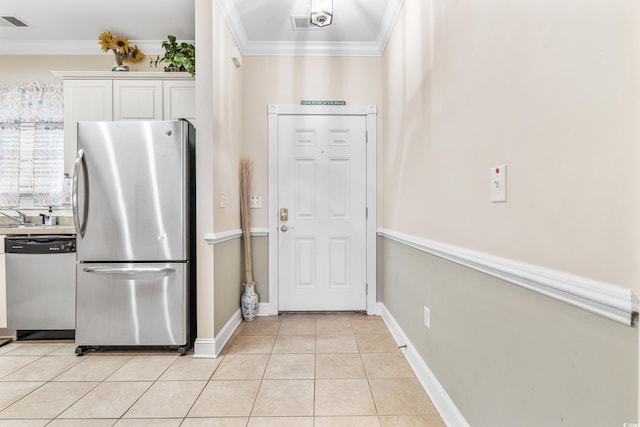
x=246, y=47
x=389, y=21
x=73, y=47
x=117, y=75
x=230, y=15
x=314, y=48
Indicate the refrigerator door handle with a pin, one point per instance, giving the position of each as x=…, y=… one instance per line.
x=80, y=226
x=130, y=271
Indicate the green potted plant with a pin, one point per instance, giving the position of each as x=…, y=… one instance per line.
x=177, y=56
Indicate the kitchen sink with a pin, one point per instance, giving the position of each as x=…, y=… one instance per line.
x=28, y=225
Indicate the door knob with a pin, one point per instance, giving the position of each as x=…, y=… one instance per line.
x=284, y=228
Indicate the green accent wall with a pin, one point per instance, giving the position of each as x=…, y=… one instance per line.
x=228, y=281
x=508, y=356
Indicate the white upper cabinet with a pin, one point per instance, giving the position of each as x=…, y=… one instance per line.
x=90, y=96
x=84, y=100
x=137, y=100
x=180, y=100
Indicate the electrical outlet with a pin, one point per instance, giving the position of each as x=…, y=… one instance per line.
x=427, y=317
x=255, y=202
x=222, y=200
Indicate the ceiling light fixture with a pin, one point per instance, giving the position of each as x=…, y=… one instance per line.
x=321, y=12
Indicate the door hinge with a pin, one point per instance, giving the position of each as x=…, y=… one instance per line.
x=366, y=138
x=367, y=291
x=366, y=215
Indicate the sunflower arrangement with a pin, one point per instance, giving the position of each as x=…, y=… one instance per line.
x=121, y=48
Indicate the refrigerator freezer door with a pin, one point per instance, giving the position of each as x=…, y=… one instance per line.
x=131, y=304
x=130, y=191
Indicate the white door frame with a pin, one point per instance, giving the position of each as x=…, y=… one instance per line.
x=371, y=112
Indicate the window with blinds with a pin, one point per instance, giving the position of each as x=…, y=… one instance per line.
x=27, y=142
x=41, y=161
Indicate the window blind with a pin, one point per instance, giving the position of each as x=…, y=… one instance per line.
x=27, y=137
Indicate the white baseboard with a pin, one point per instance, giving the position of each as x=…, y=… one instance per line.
x=204, y=348
x=210, y=348
x=447, y=409
x=267, y=309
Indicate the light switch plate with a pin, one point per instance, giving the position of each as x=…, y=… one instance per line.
x=222, y=201
x=427, y=317
x=499, y=184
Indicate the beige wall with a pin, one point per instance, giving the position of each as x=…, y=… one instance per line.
x=551, y=89
x=37, y=68
x=227, y=146
x=227, y=126
x=228, y=282
x=204, y=170
x=260, y=248
x=287, y=80
x=218, y=107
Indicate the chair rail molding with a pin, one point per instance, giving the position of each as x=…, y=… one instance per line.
x=607, y=300
x=223, y=236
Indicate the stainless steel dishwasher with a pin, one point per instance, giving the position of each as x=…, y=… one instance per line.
x=41, y=284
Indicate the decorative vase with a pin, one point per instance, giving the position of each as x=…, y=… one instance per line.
x=249, y=302
x=119, y=65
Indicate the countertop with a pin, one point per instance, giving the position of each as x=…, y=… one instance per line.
x=39, y=229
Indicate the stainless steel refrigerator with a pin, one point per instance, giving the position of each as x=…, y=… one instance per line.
x=134, y=212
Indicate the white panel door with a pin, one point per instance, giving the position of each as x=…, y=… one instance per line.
x=322, y=187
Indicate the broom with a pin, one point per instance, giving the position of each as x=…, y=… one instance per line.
x=245, y=216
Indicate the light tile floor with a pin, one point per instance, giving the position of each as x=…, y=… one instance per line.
x=293, y=370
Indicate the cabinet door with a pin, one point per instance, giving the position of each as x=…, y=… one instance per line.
x=137, y=100
x=180, y=100
x=3, y=287
x=84, y=100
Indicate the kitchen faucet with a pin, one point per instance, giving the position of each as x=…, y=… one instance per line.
x=22, y=218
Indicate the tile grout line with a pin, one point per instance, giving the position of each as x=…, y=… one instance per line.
x=182, y=419
x=255, y=399
x=201, y=392
x=42, y=357
x=366, y=374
